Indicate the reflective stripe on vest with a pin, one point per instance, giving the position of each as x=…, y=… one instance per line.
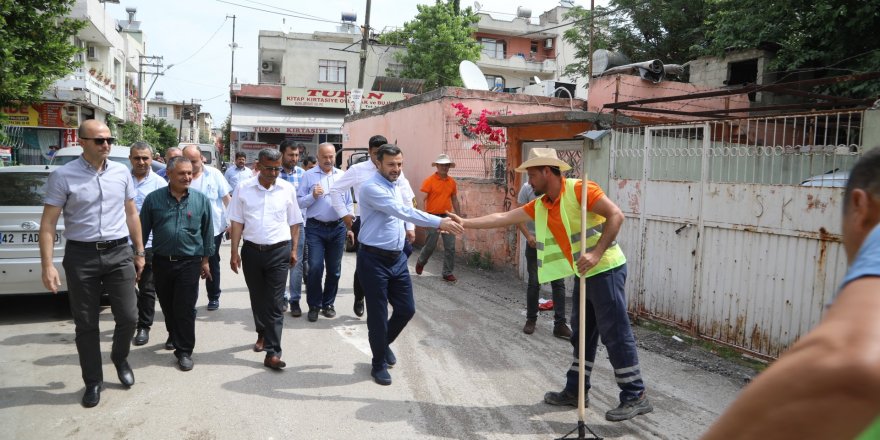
x=553, y=264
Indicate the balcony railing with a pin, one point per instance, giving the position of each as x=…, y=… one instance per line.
x=521, y=62
x=81, y=80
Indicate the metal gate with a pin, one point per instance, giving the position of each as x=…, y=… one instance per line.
x=723, y=237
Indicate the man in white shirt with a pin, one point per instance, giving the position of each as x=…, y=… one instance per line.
x=210, y=182
x=355, y=177
x=265, y=213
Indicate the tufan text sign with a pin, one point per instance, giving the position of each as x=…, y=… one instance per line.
x=322, y=98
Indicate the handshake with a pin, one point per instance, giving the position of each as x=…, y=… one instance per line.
x=453, y=224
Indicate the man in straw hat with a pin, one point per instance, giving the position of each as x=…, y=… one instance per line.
x=441, y=196
x=557, y=218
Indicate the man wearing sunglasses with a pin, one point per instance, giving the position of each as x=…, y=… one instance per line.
x=96, y=196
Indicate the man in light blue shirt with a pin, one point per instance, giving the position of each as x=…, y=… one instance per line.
x=293, y=174
x=325, y=232
x=145, y=181
x=235, y=174
x=381, y=261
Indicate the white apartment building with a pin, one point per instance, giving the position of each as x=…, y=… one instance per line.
x=183, y=116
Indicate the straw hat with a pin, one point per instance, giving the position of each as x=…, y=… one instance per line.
x=443, y=160
x=539, y=157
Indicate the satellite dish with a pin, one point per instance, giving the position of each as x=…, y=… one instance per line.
x=472, y=76
x=536, y=80
x=477, y=6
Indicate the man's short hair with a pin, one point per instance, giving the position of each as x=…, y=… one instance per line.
x=865, y=175
x=285, y=145
x=240, y=154
x=269, y=154
x=310, y=159
x=172, y=150
x=555, y=171
x=387, y=150
x=142, y=145
x=377, y=141
x=172, y=163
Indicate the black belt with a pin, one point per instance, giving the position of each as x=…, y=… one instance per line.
x=176, y=257
x=334, y=223
x=444, y=215
x=380, y=251
x=265, y=247
x=99, y=245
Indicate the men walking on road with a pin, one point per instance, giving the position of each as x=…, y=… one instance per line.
x=183, y=238
x=145, y=181
x=381, y=261
x=441, y=196
x=210, y=182
x=235, y=174
x=560, y=329
x=355, y=176
x=292, y=173
x=265, y=214
x=96, y=196
x=600, y=262
x=325, y=232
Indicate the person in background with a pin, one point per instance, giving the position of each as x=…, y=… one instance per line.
x=292, y=173
x=441, y=196
x=235, y=174
x=309, y=162
x=145, y=182
x=96, y=196
x=170, y=153
x=560, y=328
x=827, y=385
x=210, y=182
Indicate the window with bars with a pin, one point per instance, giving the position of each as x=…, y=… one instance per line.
x=332, y=71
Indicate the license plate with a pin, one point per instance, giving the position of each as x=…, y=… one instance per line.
x=8, y=239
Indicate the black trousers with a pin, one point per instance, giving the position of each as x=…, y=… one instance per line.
x=177, y=286
x=89, y=273
x=265, y=273
x=146, y=293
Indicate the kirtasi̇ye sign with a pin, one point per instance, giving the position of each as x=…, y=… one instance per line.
x=45, y=114
x=307, y=97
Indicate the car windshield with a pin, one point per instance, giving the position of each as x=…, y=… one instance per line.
x=22, y=189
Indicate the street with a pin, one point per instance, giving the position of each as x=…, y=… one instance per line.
x=465, y=371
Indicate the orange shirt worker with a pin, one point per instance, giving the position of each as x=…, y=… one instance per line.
x=441, y=196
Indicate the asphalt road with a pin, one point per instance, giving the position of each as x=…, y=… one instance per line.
x=465, y=371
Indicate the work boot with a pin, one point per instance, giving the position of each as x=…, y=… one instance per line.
x=564, y=398
x=630, y=409
x=529, y=328
x=562, y=331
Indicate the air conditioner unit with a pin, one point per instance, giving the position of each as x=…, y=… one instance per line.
x=548, y=43
x=267, y=66
x=92, y=53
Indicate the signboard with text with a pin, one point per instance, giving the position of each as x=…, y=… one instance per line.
x=45, y=114
x=251, y=149
x=321, y=98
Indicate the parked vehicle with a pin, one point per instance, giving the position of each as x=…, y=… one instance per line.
x=22, y=189
x=209, y=152
x=117, y=154
x=835, y=179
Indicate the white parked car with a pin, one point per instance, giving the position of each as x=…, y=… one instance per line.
x=117, y=154
x=22, y=189
x=836, y=179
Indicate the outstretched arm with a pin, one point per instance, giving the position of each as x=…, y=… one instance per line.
x=496, y=220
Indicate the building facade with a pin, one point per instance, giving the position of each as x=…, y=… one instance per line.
x=183, y=116
x=104, y=87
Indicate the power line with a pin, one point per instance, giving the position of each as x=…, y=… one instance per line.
x=206, y=43
x=280, y=13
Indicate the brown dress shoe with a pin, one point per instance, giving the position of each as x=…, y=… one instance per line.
x=529, y=328
x=274, y=362
x=259, y=346
x=562, y=331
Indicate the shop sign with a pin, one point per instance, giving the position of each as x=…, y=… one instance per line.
x=306, y=97
x=291, y=130
x=46, y=114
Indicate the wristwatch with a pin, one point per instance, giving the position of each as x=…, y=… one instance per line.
x=140, y=253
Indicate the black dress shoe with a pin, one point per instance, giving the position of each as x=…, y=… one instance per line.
x=169, y=344
x=126, y=376
x=359, y=307
x=92, y=396
x=313, y=315
x=185, y=362
x=329, y=311
x=142, y=336
x=295, y=311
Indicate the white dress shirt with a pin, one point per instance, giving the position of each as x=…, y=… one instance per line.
x=267, y=214
x=356, y=176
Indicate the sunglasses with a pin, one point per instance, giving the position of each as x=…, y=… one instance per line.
x=99, y=141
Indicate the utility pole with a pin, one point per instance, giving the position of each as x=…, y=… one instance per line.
x=147, y=61
x=233, y=46
x=364, y=41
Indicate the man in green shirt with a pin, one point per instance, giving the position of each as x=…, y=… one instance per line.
x=183, y=239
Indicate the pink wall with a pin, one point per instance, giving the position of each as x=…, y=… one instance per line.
x=603, y=90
